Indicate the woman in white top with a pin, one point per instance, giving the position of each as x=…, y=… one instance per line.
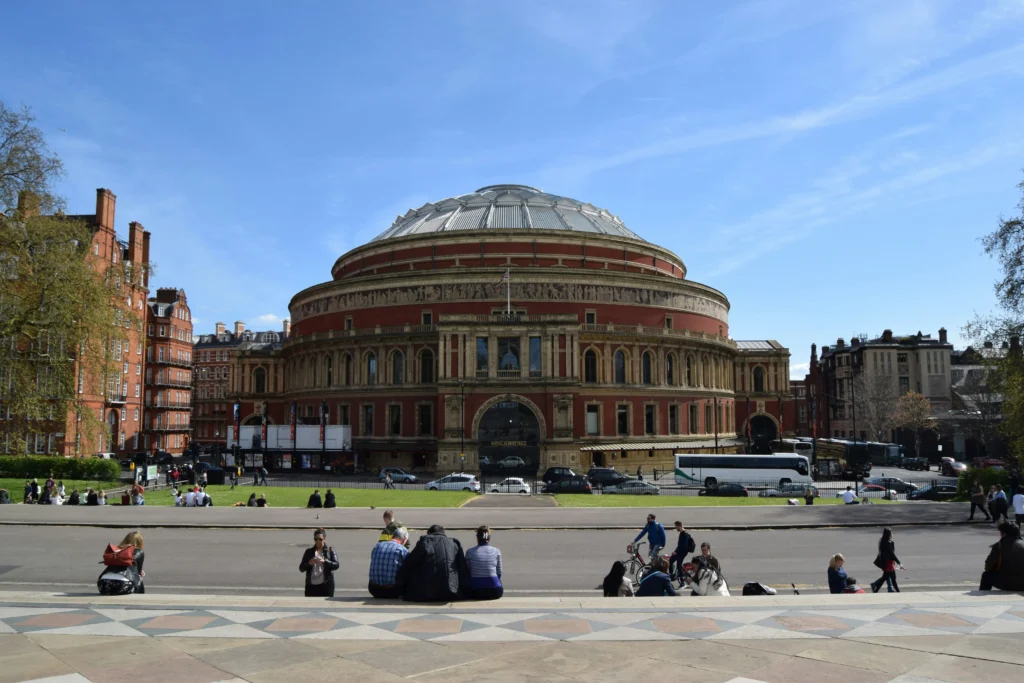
x=101, y=498
x=616, y=585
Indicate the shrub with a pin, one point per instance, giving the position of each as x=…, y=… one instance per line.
x=40, y=466
x=986, y=477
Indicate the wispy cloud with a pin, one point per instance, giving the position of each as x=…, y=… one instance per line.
x=268, y=319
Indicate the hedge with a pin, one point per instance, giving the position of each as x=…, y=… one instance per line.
x=986, y=477
x=85, y=469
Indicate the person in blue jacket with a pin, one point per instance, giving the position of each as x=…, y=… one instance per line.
x=836, y=574
x=655, y=535
x=657, y=583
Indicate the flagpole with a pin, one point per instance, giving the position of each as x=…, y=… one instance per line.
x=508, y=293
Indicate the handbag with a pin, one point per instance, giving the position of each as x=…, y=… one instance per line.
x=879, y=562
x=119, y=557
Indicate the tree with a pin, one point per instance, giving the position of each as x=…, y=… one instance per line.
x=877, y=395
x=1006, y=244
x=913, y=412
x=26, y=163
x=61, y=309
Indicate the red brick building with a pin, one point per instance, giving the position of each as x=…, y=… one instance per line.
x=437, y=358
x=168, y=392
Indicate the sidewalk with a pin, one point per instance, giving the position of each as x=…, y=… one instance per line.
x=469, y=518
x=904, y=638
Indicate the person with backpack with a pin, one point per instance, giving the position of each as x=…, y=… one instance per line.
x=684, y=546
x=123, y=572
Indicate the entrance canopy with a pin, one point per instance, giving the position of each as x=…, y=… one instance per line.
x=662, y=445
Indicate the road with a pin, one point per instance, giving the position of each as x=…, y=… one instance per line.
x=536, y=562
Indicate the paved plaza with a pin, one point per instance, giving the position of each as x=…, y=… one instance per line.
x=905, y=638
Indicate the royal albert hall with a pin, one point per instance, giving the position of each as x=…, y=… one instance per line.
x=511, y=323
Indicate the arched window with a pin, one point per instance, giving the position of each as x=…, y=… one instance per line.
x=371, y=368
x=397, y=368
x=645, y=363
x=758, y=379
x=347, y=369
x=670, y=369
x=426, y=367
x=590, y=366
x=689, y=371
x=329, y=370
x=620, y=367
x=259, y=381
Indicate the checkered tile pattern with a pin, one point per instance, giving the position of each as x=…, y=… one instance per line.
x=454, y=625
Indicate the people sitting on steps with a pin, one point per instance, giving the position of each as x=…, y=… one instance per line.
x=657, y=582
x=1004, y=566
x=386, y=559
x=435, y=570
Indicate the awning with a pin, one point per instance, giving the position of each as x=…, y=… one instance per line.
x=663, y=445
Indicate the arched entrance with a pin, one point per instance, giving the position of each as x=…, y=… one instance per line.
x=508, y=433
x=762, y=432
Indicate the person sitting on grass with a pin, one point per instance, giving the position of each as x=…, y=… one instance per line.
x=75, y=498
x=314, y=500
x=261, y=502
x=657, y=582
x=329, y=501
x=179, y=500
x=5, y=499
x=251, y=503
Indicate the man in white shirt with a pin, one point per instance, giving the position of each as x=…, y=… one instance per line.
x=190, y=499
x=1018, y=507
x=200, y=498
x=849, y=497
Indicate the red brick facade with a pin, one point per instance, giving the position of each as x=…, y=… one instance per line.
x=168, y=393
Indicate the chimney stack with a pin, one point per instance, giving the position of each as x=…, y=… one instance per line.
x=220, y=329
x=840, y=344
x=942, y=335
x=824, y=350
x=105, y=203
x=28, y=205
x=814, y=353
x=239, y=327
x=855, y=341
x=136, y=247
x=887, y=336
x=286, y=327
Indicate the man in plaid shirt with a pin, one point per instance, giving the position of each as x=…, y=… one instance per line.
x=385, y=560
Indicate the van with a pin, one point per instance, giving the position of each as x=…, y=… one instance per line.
x=105, y=456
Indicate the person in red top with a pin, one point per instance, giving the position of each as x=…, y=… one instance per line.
x=887, y=562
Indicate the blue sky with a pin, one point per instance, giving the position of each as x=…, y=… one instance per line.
x=828, y=165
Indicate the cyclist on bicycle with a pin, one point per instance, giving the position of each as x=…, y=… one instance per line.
x=684, y=546
x=655, y=534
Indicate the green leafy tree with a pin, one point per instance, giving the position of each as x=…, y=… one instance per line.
x=61, y=309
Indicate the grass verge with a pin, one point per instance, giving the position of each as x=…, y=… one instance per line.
x=569, y=500
x=15, y=486
x=296, y=497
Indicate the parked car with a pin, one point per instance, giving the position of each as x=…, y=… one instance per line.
x=105, y=456
x=511, y=485
x=455, y=482
x=605, y=476
x=916, y=464
x=873, y=491
x=511, y=462
x=633, y=487
x=790, y=490
x=934, y=491
x=733, y=490
x=897, y=485
x=577, y=484
x=953, y=469
x=985, y=463
x=398, y=476
x=554, y=474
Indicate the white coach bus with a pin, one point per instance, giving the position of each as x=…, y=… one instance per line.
x=771, y=470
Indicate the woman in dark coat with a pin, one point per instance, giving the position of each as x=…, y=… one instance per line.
x=319, y=564
x=887, y=562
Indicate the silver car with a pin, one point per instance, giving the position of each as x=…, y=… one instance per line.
x=633, y=487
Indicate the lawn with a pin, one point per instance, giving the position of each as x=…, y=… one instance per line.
x=296, y=497
x=16, y=486
x=569, y=500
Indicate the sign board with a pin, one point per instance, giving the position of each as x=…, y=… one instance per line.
x=337, y=437
x=151, y=473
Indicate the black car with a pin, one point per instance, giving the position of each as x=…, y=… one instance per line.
x=554, y=474
x=934, y=491
x=605, y=476
x=916, y=464
x=897, y=485
x=577, y=484
x=735, y=490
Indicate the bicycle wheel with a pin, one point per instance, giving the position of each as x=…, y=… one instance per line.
x=642, y=570
x=633, y=567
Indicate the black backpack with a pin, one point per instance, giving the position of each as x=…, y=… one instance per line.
x=691, y=545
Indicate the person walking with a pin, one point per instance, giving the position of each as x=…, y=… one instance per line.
x=234, y=479
x=1004, y=566
x=319, y=563
x=386, y=560
x=616, y=585
x=654, y=475
x=640, y=472
x=263, y=476
x=837, y=578
x=122, y=575
x=484, y=567
x=255, y=476
x=978, y=501
x=997, y=504
x=435, y=570
x=389, y=483
x=655, y=535
x=1018, y=507
x=887, y=562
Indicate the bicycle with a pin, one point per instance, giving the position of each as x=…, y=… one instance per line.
x=636, y=565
